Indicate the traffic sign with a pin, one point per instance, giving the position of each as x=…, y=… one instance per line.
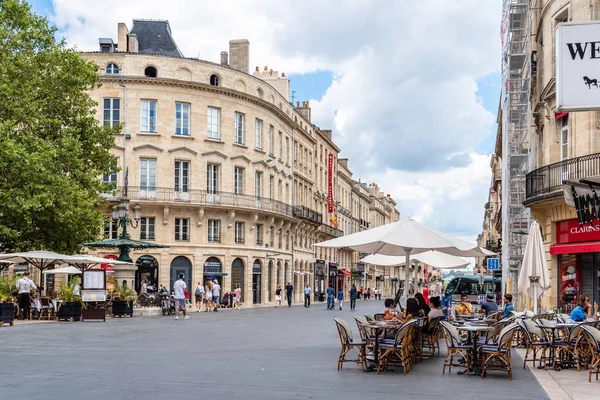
x=493, y=264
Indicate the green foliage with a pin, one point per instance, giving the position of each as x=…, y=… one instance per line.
x=123, y=293
x=67, y=290
x=8, y=285
x=52, y=148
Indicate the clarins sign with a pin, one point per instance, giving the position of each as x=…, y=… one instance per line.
x=570, y=232
x=578, y=66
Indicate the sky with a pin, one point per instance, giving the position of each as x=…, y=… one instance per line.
x=410, y=89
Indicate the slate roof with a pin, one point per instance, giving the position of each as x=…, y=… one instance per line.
x=154, y=37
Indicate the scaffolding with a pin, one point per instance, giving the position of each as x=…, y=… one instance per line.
x=516, y=75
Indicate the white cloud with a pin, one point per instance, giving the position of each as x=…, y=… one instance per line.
x=403, y=105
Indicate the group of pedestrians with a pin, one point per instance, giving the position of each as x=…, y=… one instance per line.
x=209, y=295
x=289, y=294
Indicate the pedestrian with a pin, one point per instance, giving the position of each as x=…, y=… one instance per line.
x=360, y=293
x=278, y=296
x=307, y=291
x=379, y=293
x=24, y=288
x=179, y=287
x=216, y=294
x=368, y=293
x=187, y=297
x=289, y=292
x=330, y=297
x=208, y=296
x=199, y=295
x=353, y=295
x=144, y=288
x=340, y=297
x=237, y=298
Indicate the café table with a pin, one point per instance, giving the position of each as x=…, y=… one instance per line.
x=378, y=327
x=473, y=328
x=553, y=326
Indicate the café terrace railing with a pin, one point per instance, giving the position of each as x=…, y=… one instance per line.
x=202, y=197
x=549, y=179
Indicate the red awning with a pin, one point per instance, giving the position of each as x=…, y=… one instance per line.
x=559, y=115
x=572, y=248
x=345, y=272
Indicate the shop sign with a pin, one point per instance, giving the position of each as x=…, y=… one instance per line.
x=20, y=267
x=571, y=232
x=256, y=267
x=330, y=183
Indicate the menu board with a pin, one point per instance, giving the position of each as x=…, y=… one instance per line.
x=93, y=295
x=94, y=280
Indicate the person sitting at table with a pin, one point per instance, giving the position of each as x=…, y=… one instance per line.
x=412, y=309
x=508, y=307
x=422, y=305
x=579, y=313
x=436, y=308
x=489, y=305
x=391, y=313
x=591, y=312
x=464, y=307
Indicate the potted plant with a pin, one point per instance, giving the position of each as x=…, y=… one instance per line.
x=8, y=285
x=122, y=300
x=70, y=307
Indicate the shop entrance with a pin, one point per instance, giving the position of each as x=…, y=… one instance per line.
x=256, y=282
x=237, y=275
x=181, y=265
x=147, y=269
x=213, y=269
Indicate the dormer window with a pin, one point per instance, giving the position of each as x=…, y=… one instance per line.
x=150, y=72
x=214, y=80
x=259, y=93
x=112, y=69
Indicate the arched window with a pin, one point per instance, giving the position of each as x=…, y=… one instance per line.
x=214, y=80
x=150, y=72
x=112, y=69
x=259, y=93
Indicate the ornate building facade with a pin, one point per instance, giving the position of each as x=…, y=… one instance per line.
x=228, y=173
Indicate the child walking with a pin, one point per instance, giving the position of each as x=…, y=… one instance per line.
x=341, y=298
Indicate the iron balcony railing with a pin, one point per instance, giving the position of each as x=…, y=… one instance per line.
x=308, y=214
x=202, y=197
x=331, y=231
x=549, y=179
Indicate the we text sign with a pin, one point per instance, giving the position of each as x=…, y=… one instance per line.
x=578, y=66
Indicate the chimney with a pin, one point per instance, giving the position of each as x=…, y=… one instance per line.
x=122, y=33
x=305, y=109
x=133, y=44
x=224, y=60
x=239, y=53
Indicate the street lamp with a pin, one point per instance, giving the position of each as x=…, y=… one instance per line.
x=120, y=214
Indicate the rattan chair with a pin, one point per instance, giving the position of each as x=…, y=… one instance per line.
x=345, y=333
x=430, y=338
x=368, y=318
x=497, y=315
x=455, y=347
x=398, y=352
x=536, y=341
x=46, y=307
x=593, y=338
x=366, y=334
x=497, y=357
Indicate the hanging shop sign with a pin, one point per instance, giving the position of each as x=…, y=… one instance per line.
x=578, y=66
x=330, y=183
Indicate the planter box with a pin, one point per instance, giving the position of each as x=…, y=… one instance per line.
x=95, y=314
x=7, y=314
x=69, y=312
x=122, y=308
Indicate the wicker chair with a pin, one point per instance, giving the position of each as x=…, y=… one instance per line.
x=499, y=353
x=345, y=333
x=569, y=350
x=46, y=307
x=366, y=334
x=430, y=338
x=368, y=318
x=455, y=347
x=398, y=352
x=593, y=338
x=497, y=315
x=535, y=341
x=379, y=317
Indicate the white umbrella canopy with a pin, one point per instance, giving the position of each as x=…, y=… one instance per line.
x=534, y=279
x=65, y=270
x=41, y=259
x=403, y=238
x=432, y=257
x=83, y=261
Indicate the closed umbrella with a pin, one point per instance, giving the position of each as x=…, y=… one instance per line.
x=534, y=279
x=403, y=238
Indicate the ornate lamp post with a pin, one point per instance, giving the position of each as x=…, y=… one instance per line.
x=120, y=214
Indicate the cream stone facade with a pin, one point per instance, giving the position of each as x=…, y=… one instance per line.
x=229, y=174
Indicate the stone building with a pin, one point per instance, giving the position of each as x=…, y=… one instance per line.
x=228, y=173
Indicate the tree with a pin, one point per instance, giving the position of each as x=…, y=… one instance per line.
x=52, y=149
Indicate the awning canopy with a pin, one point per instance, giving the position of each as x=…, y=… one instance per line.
x=573, y=248
x=345, y=272
x=560, y=115
x=583, y=194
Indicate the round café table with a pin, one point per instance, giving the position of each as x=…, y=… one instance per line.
x=471, y=328
x=378, y=327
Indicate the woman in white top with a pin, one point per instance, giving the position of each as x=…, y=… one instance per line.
x=208, y=296
x=436, y=310
x=199, y=294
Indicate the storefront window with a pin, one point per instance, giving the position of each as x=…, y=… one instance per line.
x=571, y=281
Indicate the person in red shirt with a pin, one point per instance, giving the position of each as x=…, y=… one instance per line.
x=187, y=296
x=426, y=295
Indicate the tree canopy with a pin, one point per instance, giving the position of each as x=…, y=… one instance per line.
x=53, y=150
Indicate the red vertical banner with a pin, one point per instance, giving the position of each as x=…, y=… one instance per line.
x=330, y=183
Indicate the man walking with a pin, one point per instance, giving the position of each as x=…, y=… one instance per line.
x=216, y=294
x=330, y=297
x=307, y=291
x=24, y=287
x=353, y=295
x=289, y=292
x=179, y=288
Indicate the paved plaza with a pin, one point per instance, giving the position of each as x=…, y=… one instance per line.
x=260, y=353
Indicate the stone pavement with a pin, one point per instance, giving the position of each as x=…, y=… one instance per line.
x=260, y=353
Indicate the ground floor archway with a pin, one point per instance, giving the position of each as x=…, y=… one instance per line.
x=147, y=269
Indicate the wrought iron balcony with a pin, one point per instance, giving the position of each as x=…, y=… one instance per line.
x=307, y=214
x=549, y=179
x=331, y=231
x=202, y=197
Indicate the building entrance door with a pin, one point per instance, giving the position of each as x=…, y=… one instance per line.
x=256, y=282
x=181, y=265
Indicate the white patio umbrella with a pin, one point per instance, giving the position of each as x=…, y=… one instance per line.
x=65, y=270
x=84, y=261
x=433, y=258
x=403, y=238
x=40, y=259
x=534, y=279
